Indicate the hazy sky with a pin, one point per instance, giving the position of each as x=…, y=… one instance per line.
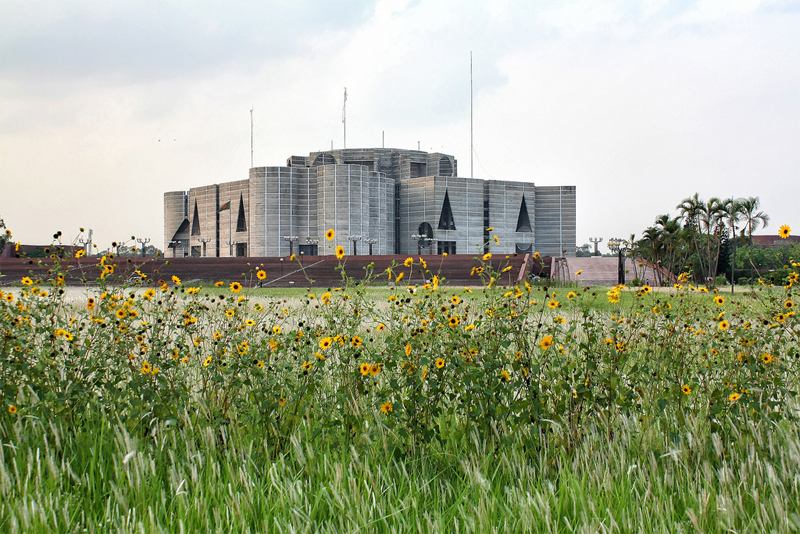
x=104, y=106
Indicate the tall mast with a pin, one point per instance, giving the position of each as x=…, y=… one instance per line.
x=344, y=117
x=251, y=136
x=471, y=171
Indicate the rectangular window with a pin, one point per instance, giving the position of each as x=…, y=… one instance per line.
x=448, y=247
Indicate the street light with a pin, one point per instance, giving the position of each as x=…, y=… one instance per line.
x=417, y=238
x=428, y=241
x=370, y=241
x=143, y=242
x=291, y=239
x=620, y=247
x=596, y=241
x=354, y=239
x=204, y=240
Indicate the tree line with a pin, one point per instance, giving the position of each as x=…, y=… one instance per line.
x=702, y=238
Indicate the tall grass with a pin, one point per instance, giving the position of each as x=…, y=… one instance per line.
x=102, y=478
x=159, y=407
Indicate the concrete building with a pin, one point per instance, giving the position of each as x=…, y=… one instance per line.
x=389, y=201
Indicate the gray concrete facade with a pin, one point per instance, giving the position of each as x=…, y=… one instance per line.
x=381, y=194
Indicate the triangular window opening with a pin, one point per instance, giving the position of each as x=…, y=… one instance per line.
x=181, y=229
x=241, y=224
x=195, y=221
x=524, y=221
x=446, y=221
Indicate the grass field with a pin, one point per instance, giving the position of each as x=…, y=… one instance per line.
x=430, y=409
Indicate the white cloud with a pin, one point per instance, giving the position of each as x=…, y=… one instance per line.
x=638, y=104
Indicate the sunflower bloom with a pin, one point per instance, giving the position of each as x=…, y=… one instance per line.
x=546, y=342
x=784, y=231
x=686, y=390
x=734, y=397
x=387, y=408
x=330, y=234
x=236, y=287
x=339, y=252
x=261, y=275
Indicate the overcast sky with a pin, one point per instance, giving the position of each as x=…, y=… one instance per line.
x=104, y=106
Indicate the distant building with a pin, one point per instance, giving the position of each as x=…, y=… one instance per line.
x=774, y=240
x=400, y=201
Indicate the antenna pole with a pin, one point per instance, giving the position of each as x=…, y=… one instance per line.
x=471, y=171
x=344, y=117
x=251, y=136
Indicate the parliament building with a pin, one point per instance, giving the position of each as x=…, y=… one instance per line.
x=377, y=200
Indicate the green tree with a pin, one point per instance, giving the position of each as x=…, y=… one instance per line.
x=752, y=218
x=5, y=234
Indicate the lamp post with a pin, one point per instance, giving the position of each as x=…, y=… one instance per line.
x=596, y=241
x=428, y=241
x=620, y=247
x=417, y=238
x=354, y=239
x=143, y=242
x=290, y=239
x=370, y=241
x=230, y=247
x=204, y=240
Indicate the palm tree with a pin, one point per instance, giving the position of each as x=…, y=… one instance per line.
x=752, y=218
x=673, y=237
x=732, y=214
x=704, y=218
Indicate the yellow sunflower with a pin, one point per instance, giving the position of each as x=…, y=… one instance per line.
x=339, y=252
x=330, y=234
x=784, y=231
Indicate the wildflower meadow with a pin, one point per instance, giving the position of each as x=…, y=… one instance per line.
x=152, y=405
